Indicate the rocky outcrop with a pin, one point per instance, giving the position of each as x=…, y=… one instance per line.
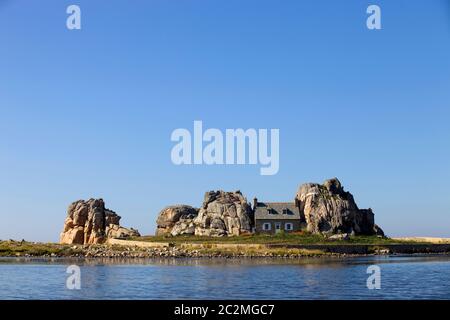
x=222, y=214
x=176, y=220
x=89, y=222
x=328, y=209
x=324, y=208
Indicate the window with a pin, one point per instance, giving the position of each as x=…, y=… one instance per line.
x=285, y=211
x=266, y=226
x=277, y=226
x=289, y=226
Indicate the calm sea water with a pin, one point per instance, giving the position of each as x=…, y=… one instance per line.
x=401, y=278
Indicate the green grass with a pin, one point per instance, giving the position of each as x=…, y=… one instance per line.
x=259, y=252
x=283, y=238
x=23, y=248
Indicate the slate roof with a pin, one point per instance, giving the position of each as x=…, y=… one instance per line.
x=276, y=211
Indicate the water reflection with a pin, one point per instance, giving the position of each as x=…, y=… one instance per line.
x=306, y=262
x=403, y=277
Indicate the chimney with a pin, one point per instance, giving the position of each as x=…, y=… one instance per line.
x=255, y=203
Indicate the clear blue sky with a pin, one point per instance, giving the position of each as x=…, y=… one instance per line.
x=89, y=113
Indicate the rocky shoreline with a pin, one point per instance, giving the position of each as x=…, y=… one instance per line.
x=108, y=251
x=175, y=252
x=36, y=250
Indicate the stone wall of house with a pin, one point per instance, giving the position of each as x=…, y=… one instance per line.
x=296, y=225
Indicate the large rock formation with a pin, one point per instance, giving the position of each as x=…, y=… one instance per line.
x=176, y=220
x=89, y=222
x=328, y=209
x=222, y=214
x=324, y=208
